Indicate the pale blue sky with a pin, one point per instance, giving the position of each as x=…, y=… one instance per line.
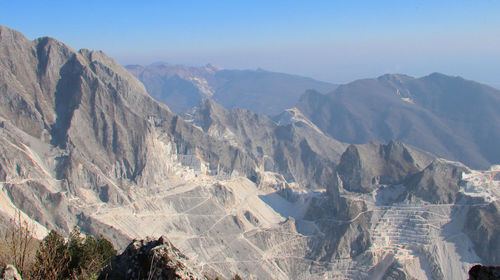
x=336, y=41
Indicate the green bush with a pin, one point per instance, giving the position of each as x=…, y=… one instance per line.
x=88, y=255
x=51, y=261
x=81, y=257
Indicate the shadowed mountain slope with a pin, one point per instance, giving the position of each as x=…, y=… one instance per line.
x=449, y=116
x=182, y=87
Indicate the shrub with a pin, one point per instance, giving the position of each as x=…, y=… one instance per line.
x=81, y=257
x=18, y=247
x=51, y=261
x=88, y=255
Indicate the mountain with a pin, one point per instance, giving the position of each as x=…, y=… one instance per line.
x=182, y=87
x=83, y=144
x=449, y=116
x=276, y=148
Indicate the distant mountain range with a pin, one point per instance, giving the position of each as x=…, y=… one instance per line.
x=182, y=87
x=451, y=117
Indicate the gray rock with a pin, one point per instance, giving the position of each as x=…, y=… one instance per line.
x=9, y=272
x=275, y=148
x=483, y=228
x=437, y=183
x=151, y=259
x=363, y=168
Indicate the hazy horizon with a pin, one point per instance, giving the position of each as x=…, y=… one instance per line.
x=332, y=42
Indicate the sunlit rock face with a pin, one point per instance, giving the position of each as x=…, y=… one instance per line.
x=82, y=143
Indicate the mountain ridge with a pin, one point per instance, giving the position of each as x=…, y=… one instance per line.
x=182, y=87
x=436, y=113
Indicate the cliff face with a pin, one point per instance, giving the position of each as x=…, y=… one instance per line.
x=295, y=150
x=364, y=167
x=79, y=129
x=84, y=144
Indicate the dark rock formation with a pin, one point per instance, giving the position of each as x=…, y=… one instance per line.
x=364, y=167
x=480, y=272
x=437, y=183
x=483, y=228
x=150, y=259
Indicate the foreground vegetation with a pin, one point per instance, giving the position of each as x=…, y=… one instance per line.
x=79, y=256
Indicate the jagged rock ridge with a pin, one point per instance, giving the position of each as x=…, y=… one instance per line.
x=150, y=259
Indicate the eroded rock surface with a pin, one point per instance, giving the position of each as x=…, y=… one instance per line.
x=151, y=259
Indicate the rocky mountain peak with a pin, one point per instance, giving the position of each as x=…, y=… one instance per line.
x=364, y=167
x=10, y=35
x=439, y=182
x=395, y=78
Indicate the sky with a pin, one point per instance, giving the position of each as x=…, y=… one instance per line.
x=334, y=41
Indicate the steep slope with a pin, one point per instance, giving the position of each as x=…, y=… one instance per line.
x=276, y=148
x=84, y=144
x=66, y=132
x=364, y=167
x=432, y=219
x=448, y=116
x=182, y=87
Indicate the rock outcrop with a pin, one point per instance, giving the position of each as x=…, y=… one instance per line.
x=9, y=272
x=363, y=168
x=151, y=259
x=480, y=272
x=437, y=183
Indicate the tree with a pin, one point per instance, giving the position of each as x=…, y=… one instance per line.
x=51, y=261
x=88, y=255
x=19, y=245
